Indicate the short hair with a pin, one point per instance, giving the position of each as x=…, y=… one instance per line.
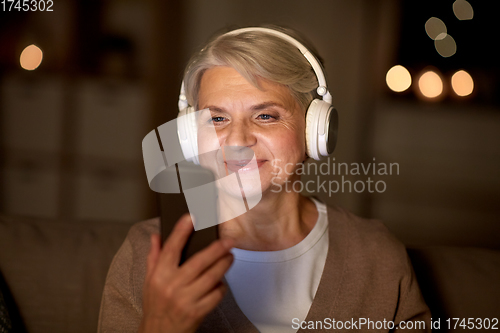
x=255, y=55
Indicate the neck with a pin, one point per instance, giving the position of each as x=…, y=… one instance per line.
x=277, y=222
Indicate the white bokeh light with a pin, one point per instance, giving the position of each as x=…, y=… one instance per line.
x=446, y=46
x=435, y=28
x=463, y=10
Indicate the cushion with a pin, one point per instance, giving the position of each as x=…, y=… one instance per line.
x=459, y=282
x=56, y=270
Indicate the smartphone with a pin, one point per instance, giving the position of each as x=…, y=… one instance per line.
x=199, y=197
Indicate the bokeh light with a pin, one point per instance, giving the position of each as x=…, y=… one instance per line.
x=446, y=46
x=31, y=57
x=435, y=28
x=463, y=10
x=430, y=84
x=462, y=83
x=398, y=78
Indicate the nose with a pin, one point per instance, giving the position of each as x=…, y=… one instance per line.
x=239, y=133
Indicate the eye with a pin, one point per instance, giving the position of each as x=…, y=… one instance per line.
x=217, y=119
x=265, y=116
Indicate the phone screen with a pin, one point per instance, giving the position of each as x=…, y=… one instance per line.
x=199, y=197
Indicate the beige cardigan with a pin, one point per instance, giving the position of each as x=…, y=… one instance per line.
x=367, y=275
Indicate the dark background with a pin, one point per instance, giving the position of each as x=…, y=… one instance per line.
x=71, y=130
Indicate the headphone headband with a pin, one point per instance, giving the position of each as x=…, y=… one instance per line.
x=322, y=89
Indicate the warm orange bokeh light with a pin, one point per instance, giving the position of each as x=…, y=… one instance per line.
x=398, y=78
x=462, y=83
x=31, y=57
x=430, y=84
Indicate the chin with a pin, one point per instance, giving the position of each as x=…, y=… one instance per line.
x=236, y=186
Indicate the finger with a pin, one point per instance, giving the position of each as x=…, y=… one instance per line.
x=211, y=277
x=210, y=301
x=172, y=249
x=154, y=253
x=199, y=262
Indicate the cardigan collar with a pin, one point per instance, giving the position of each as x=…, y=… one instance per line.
x=230, y=316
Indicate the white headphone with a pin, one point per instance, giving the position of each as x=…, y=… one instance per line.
x=321, y=116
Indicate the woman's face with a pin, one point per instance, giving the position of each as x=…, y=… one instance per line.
x=270, y=122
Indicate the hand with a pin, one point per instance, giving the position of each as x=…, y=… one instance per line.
x=177, y=298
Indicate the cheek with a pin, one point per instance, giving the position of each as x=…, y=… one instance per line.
x=208, y=140
x=209, y=152
x=287, y=146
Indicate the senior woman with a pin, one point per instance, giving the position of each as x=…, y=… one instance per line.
x=288, y=264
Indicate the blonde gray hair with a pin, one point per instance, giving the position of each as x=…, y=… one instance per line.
x=255, y=55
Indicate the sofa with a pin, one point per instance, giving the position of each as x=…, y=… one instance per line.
x=53, y=273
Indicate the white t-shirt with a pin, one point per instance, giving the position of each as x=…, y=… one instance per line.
x=274, y=287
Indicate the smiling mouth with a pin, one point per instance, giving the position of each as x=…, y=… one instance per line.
x=244, y=165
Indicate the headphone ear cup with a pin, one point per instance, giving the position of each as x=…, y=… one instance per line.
x=193, y=130
x=187, y=131
x=332, y=123
x=312, y=130
x=321, y=129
